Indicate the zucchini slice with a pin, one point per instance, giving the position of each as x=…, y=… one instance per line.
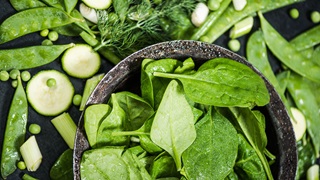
x=50, y=92
x=98, y=4
x=81, y=61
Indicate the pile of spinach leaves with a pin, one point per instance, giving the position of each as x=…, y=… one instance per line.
x=187, y=124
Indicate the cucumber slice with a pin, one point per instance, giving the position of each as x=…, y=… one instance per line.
x=98, y=4
x=81, y=61
x=50, y=92
x=299, y=123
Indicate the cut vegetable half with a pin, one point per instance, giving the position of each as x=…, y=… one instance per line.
x=81, y=61
x=299, y=123
x=50, y=92
x=98, y=4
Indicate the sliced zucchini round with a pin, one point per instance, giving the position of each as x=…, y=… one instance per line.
x=50, y=92
x=81, y=61
x=98, y=4
x=299, y=123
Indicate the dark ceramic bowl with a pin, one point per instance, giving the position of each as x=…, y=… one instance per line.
x=126, y=75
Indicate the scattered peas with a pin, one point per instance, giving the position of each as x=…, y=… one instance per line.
x=4, y=76
x=25, y=76
x=234, y=45
x=213, y=5
x=34, y=129
x=77, y=99
x=47, y=42
x=21, y=165
x=51, y=82
x=44, y=32
x=14, y=83
x=294, y=13
x=14, y=73
x=53, y=35
x=315, y=16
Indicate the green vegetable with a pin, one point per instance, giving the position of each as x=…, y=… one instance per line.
x=14, y=134
x=53, y=36
x=31, y=154
x=231, y=76
x=287, y=54
x=62, y=168
x=21, y=165
x=70, y=5
x=66, y=128
x=20, y=5
x=14, y=73
x=25, y=76
x=14, y=83
x=172, y=128
x=214, y=5
x=4, y=76
x=44, y=33
x=76, y=100
x=241, y=28
x=315, y=16
x=34, y=129
x=294, y=13
x=214, y=152
x=234, y=45
x=32, y=20
x=163, y=167
x=28, y=177
x=306, y=157
x=46, y=42
x=307, y=39
x=98, y=4
x=52, y=99
x=313, y=171
x=30, y=57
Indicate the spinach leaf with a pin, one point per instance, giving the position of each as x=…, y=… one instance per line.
x=173, y=125
x=223, y=82
x=137, y=110
x=114, y=122
x=62, y=169
x=187, y=67
x=152, y=88
x=214, y=152
x=93, y=116
x=248, y=164
x=252, y=126
x=93, y=164
x=232, y=176
x=163, y=166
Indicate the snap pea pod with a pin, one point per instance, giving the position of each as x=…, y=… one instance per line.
x=30, y=57
x=20, y=5
x=55, y=3
x=287, y=54
x=307, y=39
x=33, y=20
x=15, y=131
x=306, y=102
x=231, y=16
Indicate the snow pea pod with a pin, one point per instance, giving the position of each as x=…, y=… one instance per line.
x=30, y=57
x=287, y=54
x=55, y=3
x=307, y=39
x=20, y=5
x=15, y=131
x=33, y=20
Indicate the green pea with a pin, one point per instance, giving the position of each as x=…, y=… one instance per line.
x=25, y=76
x=294, y=13
x=213, y=5
x=47, y=42
x=44, y=32
x=51, y=82
x=53, y=36
x=315, y=16
x=14, y=73
x=21, y=165
x=77, y=99
x=34, y=129
x=4, y=76
x=234, y=45
x=14, y=83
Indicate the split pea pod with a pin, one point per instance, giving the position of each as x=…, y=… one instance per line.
x=287, y=54
x=15, y=131
x=307, y=39
x=33, y=20
x=20, y=5
x=30, y=57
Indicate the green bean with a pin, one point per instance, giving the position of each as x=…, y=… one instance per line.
x=306, y=102
x=307, y=39
x=30, y=57
x=70, y=5
x=230, y=16
x=33, y=20
x=15, y=131
x=20, y=5
x=287, y=53
x=213, y=16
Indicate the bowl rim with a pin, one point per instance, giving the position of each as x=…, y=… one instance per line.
x=198, y=50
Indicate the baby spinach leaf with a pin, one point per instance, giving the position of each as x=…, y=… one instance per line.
x=93, y=116
x=114, y=122
x=213, y=153
x=187, y=67
x=163, y=166
x=137, y=109
x=93, y=164
x=248, y=164
x=152, y=88
x=223, y=82
x=136, y=169
x=173, y=125
x=62, y=169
